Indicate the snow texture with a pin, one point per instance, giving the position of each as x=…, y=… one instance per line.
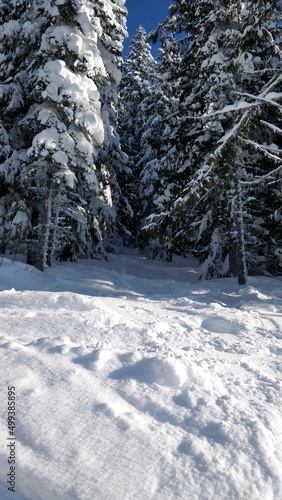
x=133, y=380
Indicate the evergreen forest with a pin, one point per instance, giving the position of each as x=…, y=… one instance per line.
x=177, y=154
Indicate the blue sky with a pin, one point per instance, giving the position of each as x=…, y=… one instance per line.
x=146, y=12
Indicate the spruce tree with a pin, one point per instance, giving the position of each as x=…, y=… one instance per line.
x=161, y=105
x=230, y=62
x=58, y=99
x=135, y=91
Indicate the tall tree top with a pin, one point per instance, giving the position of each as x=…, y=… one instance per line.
x=139, y=58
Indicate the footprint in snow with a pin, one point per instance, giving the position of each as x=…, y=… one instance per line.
x=94, y=359
x=214, y=431
x=122, y=420
x=103, y=409
x=12, y=345
x=41, y=342
x=220, y=325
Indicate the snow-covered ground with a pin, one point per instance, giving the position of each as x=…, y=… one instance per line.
x=135, y=381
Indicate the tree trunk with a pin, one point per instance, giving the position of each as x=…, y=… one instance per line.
x=44, y=226
x=53, y=235
x=240, y=244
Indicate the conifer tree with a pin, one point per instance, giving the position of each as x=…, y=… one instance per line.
x=156, y=184
x=135, y=90
x=60, y=149
x=230, y=63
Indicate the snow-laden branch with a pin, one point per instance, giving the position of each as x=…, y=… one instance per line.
x=266, y=96
x=268, y=99
x=155, y=218
x=227, y=109
x=262, y=178
x=272, y=127
x=264, y=149
x=204, y=172
x=260, y=71
x=272, y=156
x=271, y=84
x=277, y=50
x=230, y=134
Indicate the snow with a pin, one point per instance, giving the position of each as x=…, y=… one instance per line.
x=246, y=61
x=273, y=96
x=85, y=49
x=60, y=157
x=84, y=147
x=44, y=142
x=92, y=123
x=10, y=29
x=61, y=83
x=135, y=380
x=69, y=177
x=19, y=223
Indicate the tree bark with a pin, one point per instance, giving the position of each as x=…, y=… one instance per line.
x=240, y=244
x=52, y=233
x=44, y=226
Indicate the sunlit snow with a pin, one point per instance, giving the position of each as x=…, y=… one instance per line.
x=136, y=381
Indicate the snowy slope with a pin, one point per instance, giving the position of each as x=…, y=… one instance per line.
x=135, y=381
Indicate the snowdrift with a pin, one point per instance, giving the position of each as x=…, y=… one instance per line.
x=134, y=381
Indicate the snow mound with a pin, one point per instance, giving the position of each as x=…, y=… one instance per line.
x=94, y=359
x=166, y=372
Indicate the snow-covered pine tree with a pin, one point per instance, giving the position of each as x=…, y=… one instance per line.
x=59, y=77
x=233, y=234
x=229, y=65
x=160, y=107
x=135, y=89
x=113, y=161
x=176, y=71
